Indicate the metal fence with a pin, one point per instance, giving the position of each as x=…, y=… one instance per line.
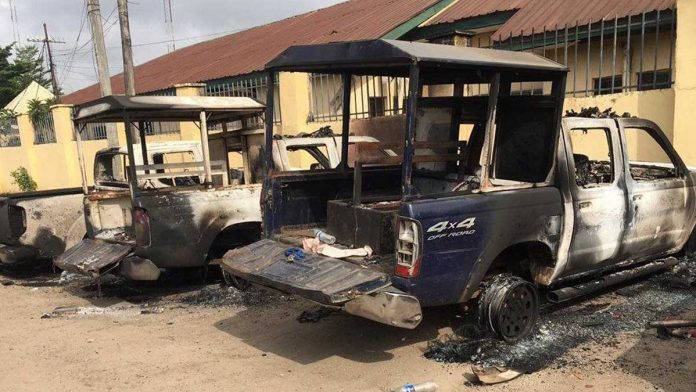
x=94, y=131
x=251, y=86
x=370, y=96
x=9, y=133
x=632, y=53
x=44, y=130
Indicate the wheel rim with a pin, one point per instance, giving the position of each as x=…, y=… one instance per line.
x=517, y=312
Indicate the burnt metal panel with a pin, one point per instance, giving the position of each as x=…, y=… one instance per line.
x=319, y=278
x=90, y=257
x=12, y=221
x=361, y=225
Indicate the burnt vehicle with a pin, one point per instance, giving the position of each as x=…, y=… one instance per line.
x=39, y=225
x=173, y=207
x=42, y=225
x=492, y=198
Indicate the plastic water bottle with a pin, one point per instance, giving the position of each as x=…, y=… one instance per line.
x=424, y=387
x=325, y=238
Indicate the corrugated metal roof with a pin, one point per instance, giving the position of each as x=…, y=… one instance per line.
x=248, y=51
x=463, y=9
x=539, y=13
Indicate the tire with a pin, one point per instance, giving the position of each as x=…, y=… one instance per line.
x=235, y=281
x=509, y=307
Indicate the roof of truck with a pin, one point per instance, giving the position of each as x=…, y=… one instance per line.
x=115, y=108
x=391, y=53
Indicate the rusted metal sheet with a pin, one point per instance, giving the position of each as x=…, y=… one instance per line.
x=472, y=8
x=321, y=279
x=248, y=51
x=539, y=15
x=90, y=257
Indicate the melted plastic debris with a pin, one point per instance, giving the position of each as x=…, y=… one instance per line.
x=218, y=296
x=596, y=320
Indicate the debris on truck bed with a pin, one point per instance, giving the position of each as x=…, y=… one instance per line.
x=597, y=320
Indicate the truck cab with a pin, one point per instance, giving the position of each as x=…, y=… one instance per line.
x=491, y=197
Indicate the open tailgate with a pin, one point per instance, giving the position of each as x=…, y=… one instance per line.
x=322, y=279
x=92, y=257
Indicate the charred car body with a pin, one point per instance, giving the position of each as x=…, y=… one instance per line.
x=492, y=197
x=174, y=207
x=39, y=225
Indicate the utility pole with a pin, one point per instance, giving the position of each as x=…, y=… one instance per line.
x=48, y=41
x=95, y=21
x=128, y=76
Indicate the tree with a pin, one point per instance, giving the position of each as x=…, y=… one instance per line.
x=28, y=66
x=19, y=66
x=7, y=90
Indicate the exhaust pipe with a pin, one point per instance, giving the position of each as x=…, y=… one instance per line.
x=570, y=292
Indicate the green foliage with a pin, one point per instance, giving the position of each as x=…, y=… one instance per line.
x=6, y=115
x=18, y=67
x=23, y=180
x=38, y=109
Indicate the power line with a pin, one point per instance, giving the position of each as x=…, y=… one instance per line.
x=68, y=67
x=47, y=41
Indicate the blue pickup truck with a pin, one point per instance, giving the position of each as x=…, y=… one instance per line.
x=492, y=197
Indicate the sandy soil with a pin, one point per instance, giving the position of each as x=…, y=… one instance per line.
x=159, y=339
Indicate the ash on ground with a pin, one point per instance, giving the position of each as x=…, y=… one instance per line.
x=600, y=319
x=220, y=296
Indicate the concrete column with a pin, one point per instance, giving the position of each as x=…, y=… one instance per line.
x=685, y=82
x=294, y=102
x=63, y=125
x=189, y=130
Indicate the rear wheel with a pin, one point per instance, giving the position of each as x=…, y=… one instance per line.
x=509, y=307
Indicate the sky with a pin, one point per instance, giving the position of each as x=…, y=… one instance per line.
x=193, y=21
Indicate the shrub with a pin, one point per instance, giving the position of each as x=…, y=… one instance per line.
x=23, y=180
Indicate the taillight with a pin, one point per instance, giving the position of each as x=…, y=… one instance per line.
x=408, y=248
x=141, y=223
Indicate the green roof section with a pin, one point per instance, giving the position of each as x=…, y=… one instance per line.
x=417, y=20
x=442, y=29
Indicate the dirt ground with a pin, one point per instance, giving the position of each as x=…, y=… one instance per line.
x=194, y=337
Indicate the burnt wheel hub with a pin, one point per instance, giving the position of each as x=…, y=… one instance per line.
x=509, y=307
x=517, y=312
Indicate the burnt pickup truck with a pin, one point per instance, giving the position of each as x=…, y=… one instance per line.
x=184, y=205
x=169, y=208
x=492, y=199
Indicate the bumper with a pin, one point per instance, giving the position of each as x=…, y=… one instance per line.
x=389, y=306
